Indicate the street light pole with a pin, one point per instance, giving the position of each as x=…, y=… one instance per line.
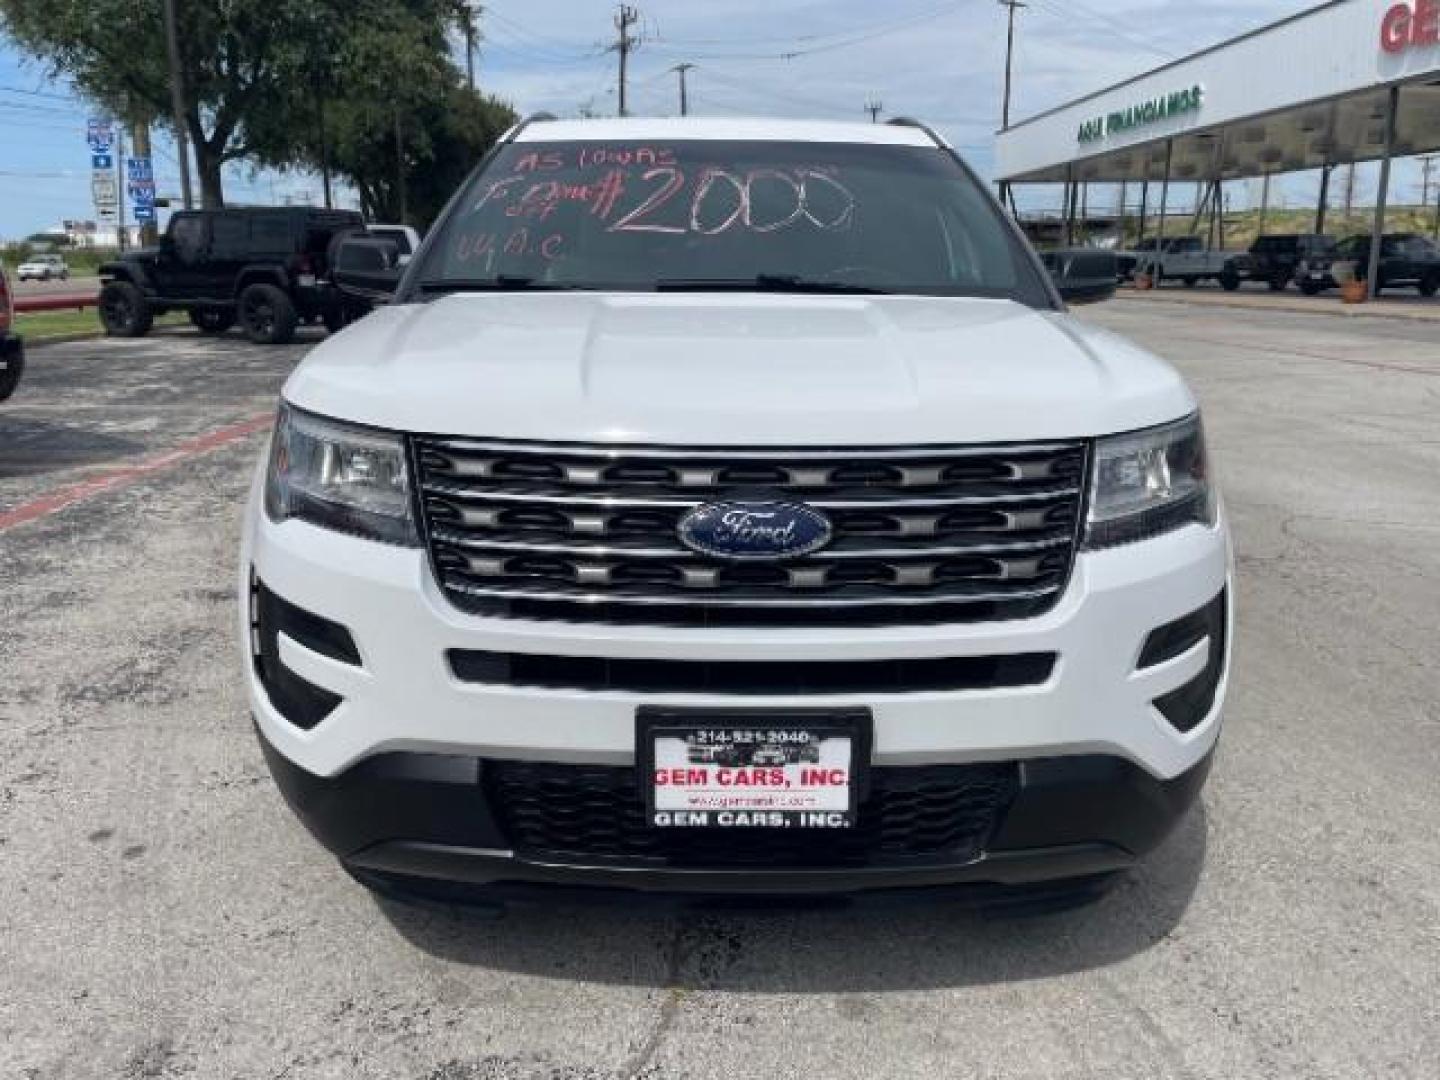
x=1009, y=72
x=177, y=101
x=681, y=69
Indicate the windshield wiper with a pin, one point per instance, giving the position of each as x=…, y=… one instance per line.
x=499, y=283
x=784, y=283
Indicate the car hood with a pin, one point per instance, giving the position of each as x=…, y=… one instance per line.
x=735, y=369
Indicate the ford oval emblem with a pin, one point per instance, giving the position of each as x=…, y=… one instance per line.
x=755, y=530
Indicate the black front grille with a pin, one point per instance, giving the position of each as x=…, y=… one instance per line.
x=939, y=814
x=922, y=535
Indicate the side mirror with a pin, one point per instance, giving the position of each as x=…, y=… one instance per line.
x=1082, y=275
x=367, y=268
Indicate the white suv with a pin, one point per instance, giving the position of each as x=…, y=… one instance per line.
x=732, y=506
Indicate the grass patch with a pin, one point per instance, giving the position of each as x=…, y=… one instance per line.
x=42, y=325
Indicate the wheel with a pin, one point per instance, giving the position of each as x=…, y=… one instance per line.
x=124, y=311
x=1429, y=285
x=1190, y=281
x=64, y=275
x=266, y=315
x=10, y=375
x=1312, y=288
x=336, y=318
x=1279, y=280
x=1229, y=279
x=212, y=320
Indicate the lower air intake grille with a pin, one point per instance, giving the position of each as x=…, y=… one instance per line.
x=935, y=814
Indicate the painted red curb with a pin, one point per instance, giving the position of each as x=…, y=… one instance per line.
x=114, y=479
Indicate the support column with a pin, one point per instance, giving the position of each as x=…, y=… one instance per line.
x=1069, y=205
x=1264, y=204
x=1377, y=231
x=1165, y=188
x=1120, y=214
x=1144, y=203
x=1324, y=198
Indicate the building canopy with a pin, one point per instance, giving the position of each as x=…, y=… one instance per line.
x=1309, y=91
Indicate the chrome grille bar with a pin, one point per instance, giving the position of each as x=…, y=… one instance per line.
x=586, y=533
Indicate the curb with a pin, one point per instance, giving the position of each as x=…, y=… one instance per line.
x=1368, y=310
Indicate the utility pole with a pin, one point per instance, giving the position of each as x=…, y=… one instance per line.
x=681, y=69
x=1427, y=165
x=469, y=8
x=625, y=18
x=874, y=108
x=120, y=185
x=402, y=196
x=1013, y=5
x=177, y=101
x=1009, y=57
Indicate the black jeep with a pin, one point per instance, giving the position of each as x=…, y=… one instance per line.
x=265, y=267
x=1279, y=259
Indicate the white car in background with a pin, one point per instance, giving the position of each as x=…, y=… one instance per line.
x=43, y=268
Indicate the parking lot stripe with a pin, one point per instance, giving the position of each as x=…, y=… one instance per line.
x=114, y=479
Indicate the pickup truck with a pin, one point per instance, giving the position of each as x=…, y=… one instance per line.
x=761, y=434
x=1182, y=258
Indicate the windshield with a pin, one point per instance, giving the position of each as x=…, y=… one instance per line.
x=702, y=214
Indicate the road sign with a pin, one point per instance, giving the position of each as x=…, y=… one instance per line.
x=100, y=134
x=102, y=161
x=139, y=170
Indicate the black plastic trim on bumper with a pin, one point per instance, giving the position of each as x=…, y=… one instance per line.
x=425, y=816
x=642, y=676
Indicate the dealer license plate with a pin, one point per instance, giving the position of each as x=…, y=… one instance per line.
x=744, y=769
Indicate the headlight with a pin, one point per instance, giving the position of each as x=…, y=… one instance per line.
x=350, y=479
x=1147, y=483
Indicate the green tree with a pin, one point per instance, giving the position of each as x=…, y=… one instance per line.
x=256, y=71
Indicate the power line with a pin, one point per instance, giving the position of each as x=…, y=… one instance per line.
x=843, y=39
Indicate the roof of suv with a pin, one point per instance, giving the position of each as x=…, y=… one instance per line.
x=669, y=128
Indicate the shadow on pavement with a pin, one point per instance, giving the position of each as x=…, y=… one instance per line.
x=867, y=947
x=31, y=447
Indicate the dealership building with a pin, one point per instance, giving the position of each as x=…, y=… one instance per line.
x=1345, y=82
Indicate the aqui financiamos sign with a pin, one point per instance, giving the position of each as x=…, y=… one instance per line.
x=1147, y=112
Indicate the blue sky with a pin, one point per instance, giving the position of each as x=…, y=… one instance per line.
x=942, y=61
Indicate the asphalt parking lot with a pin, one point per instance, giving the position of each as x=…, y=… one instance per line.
x=162, y=914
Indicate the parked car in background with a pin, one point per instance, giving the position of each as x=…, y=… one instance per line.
x=12, y=349
x=1407, y=260
x=1174, y=258
x=1304, y=258
x=265, y=267
x=43, y=268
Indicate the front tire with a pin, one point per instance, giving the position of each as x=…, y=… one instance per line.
x=212, y=320
x=10, y=377
x=1311, y=288
x=1229, y=280
x=1190, y=281
x=1279, y=281
x=124, y=311
x=1429, y=285
x=267, y=316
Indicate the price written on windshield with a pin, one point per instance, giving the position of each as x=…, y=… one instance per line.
x=647, y=190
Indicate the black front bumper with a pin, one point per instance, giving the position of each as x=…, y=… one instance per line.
x=425, y=817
